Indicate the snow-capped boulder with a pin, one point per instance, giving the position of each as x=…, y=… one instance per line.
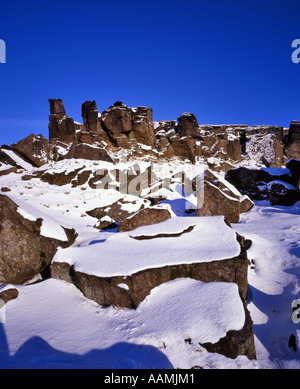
x=235, y=342
x=205, y=249
x=25, y=252
x=117, y=211
x=216, y=202
x=222, y=198
x=90, y=152
x=282, y=193
x=144, y=217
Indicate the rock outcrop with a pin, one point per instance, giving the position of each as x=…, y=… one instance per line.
x=144, y=217
x=90, y=152
x=61, y=126
x=221, y=198
x=34, y=148
x=24, y=251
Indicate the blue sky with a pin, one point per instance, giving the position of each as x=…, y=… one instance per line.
x=225, y=61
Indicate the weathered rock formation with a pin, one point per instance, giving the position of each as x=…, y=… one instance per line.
x=34, y=148
x=112, y=215
x=220, y=198
x=24, y=251
x=61, y=126
x=90, y=152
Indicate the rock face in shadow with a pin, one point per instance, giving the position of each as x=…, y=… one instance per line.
x=24, y=251
x=262, y=184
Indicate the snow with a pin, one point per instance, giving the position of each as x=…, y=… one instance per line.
x=19, y=160
x=51, y=324
x=274, y=280
x=119, y=254
x=50, y=228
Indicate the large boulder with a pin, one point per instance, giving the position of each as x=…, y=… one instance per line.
x=117, y=120
x=235, y=342
x=112, y=214
x=183, y=147
x=188, y=125
x=281, y=193
x=90, y=152
x=129, y=278
x=222, y=198
x=274, y=185
x=35, y=148
x=145, y=217
x=216, y=202
x=24, y=251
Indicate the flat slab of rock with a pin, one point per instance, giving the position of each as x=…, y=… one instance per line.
x=145, y=217
x=203, y=248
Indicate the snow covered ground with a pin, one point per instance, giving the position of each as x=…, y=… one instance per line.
x=274, y=280
x=52, y=325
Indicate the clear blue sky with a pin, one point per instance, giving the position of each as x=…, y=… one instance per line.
x=224, y=61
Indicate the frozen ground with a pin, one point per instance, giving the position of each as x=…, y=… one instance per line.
x=274, y=280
